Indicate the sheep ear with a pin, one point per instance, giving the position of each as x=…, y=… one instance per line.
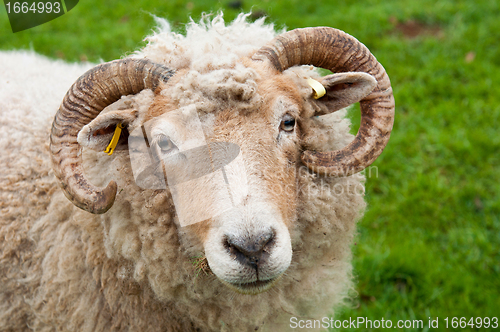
x=98, y=134
x=343, y=89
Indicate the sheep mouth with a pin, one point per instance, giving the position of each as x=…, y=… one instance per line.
x=254, y=287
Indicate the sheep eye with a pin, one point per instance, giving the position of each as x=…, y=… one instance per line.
x=287, y=123
x=165, y=144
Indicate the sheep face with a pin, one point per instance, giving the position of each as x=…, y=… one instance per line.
x=245, y=237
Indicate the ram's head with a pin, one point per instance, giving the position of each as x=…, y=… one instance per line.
x=259, y=125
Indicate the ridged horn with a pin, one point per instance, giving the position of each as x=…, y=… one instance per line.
x=337, y=51
x=88, y=96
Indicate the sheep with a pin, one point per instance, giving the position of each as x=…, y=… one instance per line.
x=81, y=253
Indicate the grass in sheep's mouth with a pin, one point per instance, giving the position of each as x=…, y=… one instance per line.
x=200, y=264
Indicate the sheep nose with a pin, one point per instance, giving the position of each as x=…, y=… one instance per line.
x=250, y=250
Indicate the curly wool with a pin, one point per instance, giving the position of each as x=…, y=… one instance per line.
x=133, y=268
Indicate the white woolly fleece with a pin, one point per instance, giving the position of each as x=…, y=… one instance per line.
x=209, y=42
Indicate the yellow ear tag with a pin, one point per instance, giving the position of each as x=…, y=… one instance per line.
x=318, y=88
x=114, y=141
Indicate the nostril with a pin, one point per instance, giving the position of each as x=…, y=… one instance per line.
x=265, y=241
x=249, y=249
x=227, y=245
x=250, y=245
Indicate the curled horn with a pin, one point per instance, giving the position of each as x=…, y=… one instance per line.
x=339, y=52
x=88, y=96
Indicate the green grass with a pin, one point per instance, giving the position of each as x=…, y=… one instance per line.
x=429, y=244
